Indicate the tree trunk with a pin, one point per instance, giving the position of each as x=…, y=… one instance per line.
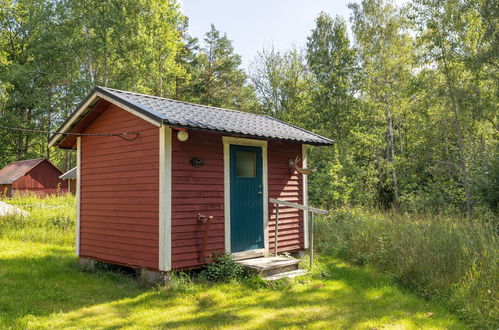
x=160, y=72
x=19, y=144
x=177, y=88
x=106, y=68
x=460, y=144
x=90, y=59
x=48, y=148
x=390, y=154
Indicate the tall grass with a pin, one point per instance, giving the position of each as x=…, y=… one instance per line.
x=51, y=219
x=438, y=257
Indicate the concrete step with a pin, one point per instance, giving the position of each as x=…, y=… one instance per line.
x=290, y=274
x=267, y=266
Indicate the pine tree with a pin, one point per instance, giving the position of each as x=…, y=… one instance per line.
x=217, y=77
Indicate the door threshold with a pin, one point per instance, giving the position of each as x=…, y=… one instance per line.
x=248, y=254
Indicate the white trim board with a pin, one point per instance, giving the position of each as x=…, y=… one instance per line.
x=165, y=198
x=305, y=196
x=78, y=194
x=85, y=106
x=121, y=105
x=227, y=141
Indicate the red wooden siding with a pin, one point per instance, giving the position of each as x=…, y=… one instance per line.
x=286, y=185
x=120, y=192
x=201, y=190
x=119, y=218
x=196, y=190
x=43, y=179
x=71, y=185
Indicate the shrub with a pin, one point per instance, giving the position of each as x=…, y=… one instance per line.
x=224, y=269
x=438, y=257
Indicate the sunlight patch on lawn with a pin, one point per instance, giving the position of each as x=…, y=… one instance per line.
x=51, y=291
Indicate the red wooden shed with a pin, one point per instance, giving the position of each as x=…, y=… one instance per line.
x=143, y=197
x=70, y=177
x=39, y=176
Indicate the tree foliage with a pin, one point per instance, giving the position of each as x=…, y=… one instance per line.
x=217, y=77
x=411, y=102
x=281, y=82
x=410, y=96
x=54, y=52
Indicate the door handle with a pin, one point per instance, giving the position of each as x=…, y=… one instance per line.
x=259, y=193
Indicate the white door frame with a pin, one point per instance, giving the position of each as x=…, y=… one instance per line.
x=227, y=142
x=305, y=196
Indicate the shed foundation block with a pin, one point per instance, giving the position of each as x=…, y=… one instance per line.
x=298, y=254
x=151, y=276
x=87, y=263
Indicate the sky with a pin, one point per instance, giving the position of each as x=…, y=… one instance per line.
x=254, y=24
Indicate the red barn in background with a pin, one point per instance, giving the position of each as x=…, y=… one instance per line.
x=39, y=176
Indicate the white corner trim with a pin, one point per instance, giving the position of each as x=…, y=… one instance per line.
x=165, y=198
x=78, y=194
x=226, y=196
x=227, y=141
x=305, y=195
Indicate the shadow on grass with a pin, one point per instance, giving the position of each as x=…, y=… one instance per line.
x=38, y=279
x=48, y=290
x=336, y=297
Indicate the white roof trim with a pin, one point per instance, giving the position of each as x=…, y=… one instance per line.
x=84, y=107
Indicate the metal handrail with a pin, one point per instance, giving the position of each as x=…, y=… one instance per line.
x=310, y=209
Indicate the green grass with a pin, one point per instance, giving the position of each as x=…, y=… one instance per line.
x=52, y=219
x=441, y=258
x=41, y=286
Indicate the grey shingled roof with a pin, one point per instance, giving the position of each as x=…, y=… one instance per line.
x=71, y=174
x=182, y=114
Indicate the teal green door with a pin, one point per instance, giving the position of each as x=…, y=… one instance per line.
x=246, y=198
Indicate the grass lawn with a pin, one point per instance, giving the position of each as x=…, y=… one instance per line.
x=41, y=286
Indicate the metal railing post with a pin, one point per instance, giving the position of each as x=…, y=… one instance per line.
x=311, y=239
x=312, y=210
x=276, y=236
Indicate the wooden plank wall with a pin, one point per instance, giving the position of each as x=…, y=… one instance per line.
x=196, y=190
x=286, y=185
x=119, y=191
x=71, y=185
x=201, y=190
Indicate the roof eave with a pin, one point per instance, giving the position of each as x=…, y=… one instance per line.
x=317, y=144
x=7, y=182
x=154, y=118
x=97, y=94
x=56, y=137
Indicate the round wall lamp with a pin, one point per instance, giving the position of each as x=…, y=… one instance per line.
x=182, y=136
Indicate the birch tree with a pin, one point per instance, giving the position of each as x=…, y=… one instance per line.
x=386, y=53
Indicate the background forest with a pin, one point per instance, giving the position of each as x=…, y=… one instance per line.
x=410, y=96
